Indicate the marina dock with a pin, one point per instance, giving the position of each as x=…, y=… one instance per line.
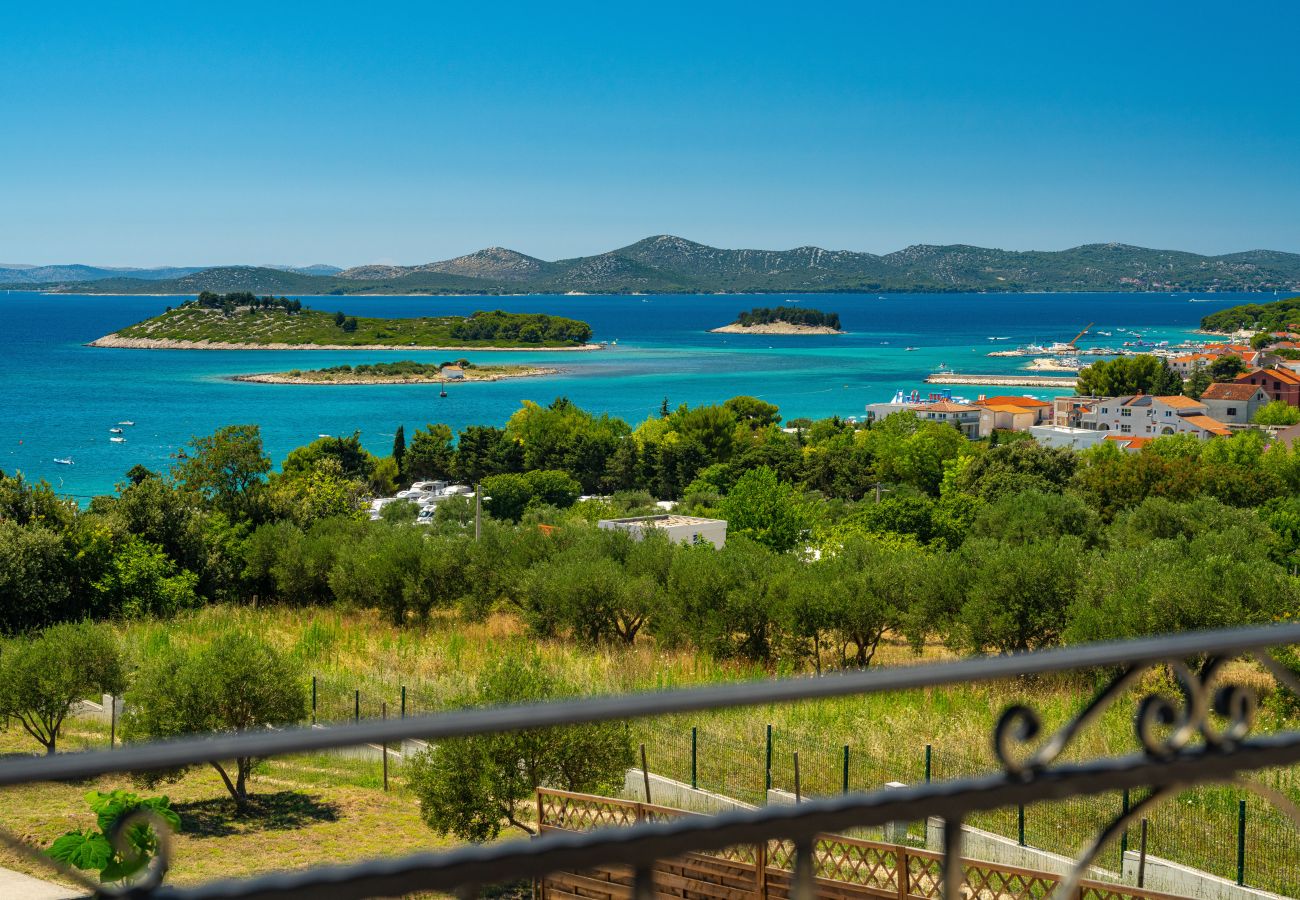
x=1002, y=380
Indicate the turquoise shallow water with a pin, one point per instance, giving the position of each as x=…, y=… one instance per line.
x=59, y=398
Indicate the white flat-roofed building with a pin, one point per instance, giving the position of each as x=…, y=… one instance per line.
x=682, y=529
x=1053, y=436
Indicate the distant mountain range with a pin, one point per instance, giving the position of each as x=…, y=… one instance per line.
x=18, y=273
x=667, y=264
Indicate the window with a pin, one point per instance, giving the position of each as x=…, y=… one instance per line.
x=1126, y=428
x=1232, y=410
x=1126, y=412
x=1105, y=411
x=1168, y=413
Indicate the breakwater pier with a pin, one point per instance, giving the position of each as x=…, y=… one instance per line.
x=1046, y=381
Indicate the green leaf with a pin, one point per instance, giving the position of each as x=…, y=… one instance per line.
x=83, y=850
x=119, y=870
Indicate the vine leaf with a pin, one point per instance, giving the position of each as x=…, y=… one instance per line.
x=83, y=849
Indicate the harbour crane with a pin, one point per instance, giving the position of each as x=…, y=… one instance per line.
x=1074, y=342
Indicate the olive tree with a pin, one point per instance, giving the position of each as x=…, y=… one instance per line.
x=237, y=682
x=43, y=677
x=473, y=787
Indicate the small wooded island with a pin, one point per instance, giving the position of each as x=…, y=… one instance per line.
x=405, y=371
x=782, y=320
x=242, y=321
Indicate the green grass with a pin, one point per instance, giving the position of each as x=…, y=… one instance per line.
x=308, y=327
x=887, y=736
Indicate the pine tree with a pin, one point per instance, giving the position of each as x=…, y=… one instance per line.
x=399, y=446
x=663, y=409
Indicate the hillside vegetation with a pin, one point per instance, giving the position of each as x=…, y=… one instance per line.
x=242, y=319
x=1281, y=315
x=668, y=264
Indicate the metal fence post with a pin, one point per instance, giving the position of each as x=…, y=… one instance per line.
x=695, y=769
x=1241, y=842
x=798, y=794
x=1142, y=855
x=313, y=699
x=767, y=785
x=403, y=701
x=846, y=768
x=383, y=747
x=1123, y=838
x=645, y=774
x=1020, y=824
x=927, y=763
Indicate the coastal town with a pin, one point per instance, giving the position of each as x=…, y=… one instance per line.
x=1224, y=388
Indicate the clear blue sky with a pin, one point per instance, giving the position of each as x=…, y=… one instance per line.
x=137, y=134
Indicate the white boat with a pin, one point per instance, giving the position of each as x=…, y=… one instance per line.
x=909, y=349
x=118, y=440
x=63, y=461
x=1104, y=333
x=126, y=422
x=114, y=431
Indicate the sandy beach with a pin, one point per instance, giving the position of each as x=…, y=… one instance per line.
x=774, y=328
x=353, y=379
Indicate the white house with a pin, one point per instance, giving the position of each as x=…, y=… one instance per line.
x=682, y=529
x=1144, y=415
x=1234, y=402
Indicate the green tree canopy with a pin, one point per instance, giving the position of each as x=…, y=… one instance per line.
x=236, y=682
x=1277, y=413
x=472, y=787
x=42, y=677
x=766, y=510
x=1126, y=375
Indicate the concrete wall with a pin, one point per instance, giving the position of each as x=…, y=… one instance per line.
x=994, y=848
x=1171, y=878
x=667, y=792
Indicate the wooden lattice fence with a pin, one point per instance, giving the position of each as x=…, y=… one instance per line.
x=846, y=868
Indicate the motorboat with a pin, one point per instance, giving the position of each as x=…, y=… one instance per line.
x=63, y=461
x=909, y=349
x=126, y=422
x=118, y=440
x=114, y=431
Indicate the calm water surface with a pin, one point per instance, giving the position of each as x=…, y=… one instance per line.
x=59, y=398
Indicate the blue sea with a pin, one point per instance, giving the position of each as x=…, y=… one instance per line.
x=60, y=398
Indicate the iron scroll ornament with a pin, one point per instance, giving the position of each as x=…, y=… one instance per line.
x=1164, y=727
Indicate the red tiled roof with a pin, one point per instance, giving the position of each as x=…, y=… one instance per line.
x=1177, y=401
x=1213, y=426
x=1130, y=441
x=1230, y=390
x=1277, y=374
x=1013, y=401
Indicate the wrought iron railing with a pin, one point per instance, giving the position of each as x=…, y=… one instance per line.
x=1203, y=736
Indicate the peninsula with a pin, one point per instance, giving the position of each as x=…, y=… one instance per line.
x=241, y=321
x=406, y=371
x=782, y=320
x=1277, y=316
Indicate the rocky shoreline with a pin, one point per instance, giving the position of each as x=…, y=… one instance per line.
x=774, y=328
x=286, y=378
x=117, y=341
